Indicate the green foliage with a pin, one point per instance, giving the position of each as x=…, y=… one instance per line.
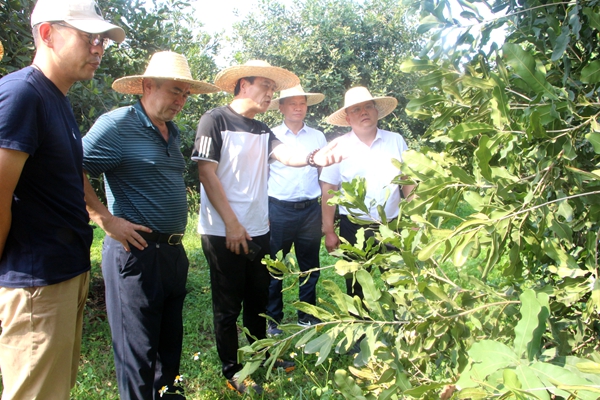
x=333, y=46
x=519, y=138
x=15, y=34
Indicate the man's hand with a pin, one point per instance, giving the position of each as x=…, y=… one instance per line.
x=328, y=155
x=125, y=232
x=236, y=236
x=332, y=241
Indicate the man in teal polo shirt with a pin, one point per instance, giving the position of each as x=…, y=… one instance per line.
x=137, y=148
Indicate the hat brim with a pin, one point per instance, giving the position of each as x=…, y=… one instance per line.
x=133, y=84
x=384, y=105
x=311, y=100
x=227, y=79
x=113, y=32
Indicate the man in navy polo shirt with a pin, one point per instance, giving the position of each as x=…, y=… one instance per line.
x=144, y=264
x=44, y=233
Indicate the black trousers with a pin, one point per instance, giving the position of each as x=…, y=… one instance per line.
x=301, y=228
x=145, y=290
x=235, y=282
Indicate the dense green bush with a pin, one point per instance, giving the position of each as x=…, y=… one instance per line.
x=520, y=140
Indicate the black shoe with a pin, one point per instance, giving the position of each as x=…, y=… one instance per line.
x=308, y=320
x=272, y=329
x=244, y=386
x=355, y=349
x=288, y=366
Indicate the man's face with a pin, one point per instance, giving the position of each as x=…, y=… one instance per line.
x=164, y=102
x=261, y=92
x=77, y=58
x=293, y=108
x=362, y=116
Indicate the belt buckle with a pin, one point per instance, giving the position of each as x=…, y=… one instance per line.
x=300, y=206
x=177, y=239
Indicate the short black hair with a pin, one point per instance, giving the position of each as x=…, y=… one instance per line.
x=250, y=79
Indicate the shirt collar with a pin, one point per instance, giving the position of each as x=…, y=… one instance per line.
x=145, y=120
x=288, y=130
x=377, y=137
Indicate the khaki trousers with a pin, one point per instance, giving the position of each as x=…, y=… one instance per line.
x=41, y=339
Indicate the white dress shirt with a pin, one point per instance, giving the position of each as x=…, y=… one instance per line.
x=296, y=183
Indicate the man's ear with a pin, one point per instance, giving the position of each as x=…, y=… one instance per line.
x=147, y=85
x=244, y=84
x=45, y=33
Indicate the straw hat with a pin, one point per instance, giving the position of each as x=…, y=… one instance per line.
x=164, y=65
x=357, y=95
x=227, y=79
x=1, y=51
x=311, y=98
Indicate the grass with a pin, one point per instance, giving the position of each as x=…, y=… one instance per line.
x=200, y=364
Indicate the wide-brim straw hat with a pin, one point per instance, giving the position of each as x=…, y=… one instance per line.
x=311, y=98
x=357, y=95
x=164, y=65
x=228, y=78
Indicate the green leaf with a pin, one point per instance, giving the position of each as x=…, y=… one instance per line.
x=525, y=67
x=552, y=248
x=554, y=376
x=500, y=108
x=427, y=252
x=343, y=267
x=531, y=383
x=594, y=139
x=490, y=356
x=347, y=386
x=462, y=250
x=511, y=379
x=593, y=17
x=593, y=303
x=561, y=43
x=416, y=104
x=589, y=367
x=420, y=390
x=591, y=72
x=321, y=345
x=463, y=176
x=336, y=295
x=530, y=308
x=371, y=293
x=422, y=165
x=473, y=393
x=466, y=131
x=483, y=157
x=416, y=65
x=561, y=230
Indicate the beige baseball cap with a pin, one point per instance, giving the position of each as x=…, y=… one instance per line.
x=84, y=15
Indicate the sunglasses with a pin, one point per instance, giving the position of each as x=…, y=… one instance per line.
x=94, y=39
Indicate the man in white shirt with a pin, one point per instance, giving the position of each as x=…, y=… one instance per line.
x=369, y=152
x=294, y=209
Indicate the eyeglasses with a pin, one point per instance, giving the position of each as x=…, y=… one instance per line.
x=359, y=109
x=94, y=39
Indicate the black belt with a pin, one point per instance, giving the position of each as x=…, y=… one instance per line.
x=174, y=239
x=298, y=205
